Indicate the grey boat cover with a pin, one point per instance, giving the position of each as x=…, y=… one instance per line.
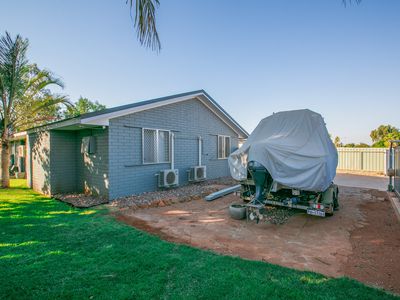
x=295, y=148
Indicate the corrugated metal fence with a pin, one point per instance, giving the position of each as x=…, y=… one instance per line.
x=363, y=159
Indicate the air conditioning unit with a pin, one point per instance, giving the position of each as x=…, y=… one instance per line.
x=197, y=173
x=168, y=178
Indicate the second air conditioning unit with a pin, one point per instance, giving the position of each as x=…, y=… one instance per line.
x=197, y=173
x=168, y=178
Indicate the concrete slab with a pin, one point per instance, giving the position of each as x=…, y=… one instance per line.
x=362, y=181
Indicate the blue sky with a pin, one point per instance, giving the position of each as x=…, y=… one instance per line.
x=253, y=57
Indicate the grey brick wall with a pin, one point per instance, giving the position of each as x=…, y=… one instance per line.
x=92, y=169
x=40, y=161
x=58, y=166
x=63, y=161
x=116, y=169
x=187, y=120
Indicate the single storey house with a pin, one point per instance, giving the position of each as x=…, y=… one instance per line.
x=135, y=148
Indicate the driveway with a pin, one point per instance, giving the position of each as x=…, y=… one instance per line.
x=362, y=181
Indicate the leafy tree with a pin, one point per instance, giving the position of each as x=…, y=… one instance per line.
x=350, y=145
x=362, y=145
x=382, y=136
x=337, y=142
x=25, y=98
x=83, y=106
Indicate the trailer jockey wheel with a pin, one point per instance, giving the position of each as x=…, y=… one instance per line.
x=255, y=214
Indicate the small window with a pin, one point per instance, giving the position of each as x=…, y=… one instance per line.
x=156, y=146
x=224, y=146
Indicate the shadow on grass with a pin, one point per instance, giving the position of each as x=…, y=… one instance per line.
x=50, y=250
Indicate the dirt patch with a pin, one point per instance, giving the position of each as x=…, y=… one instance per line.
x=376, y=247
x=346, y=244
x=81, y=200
x=143, y=225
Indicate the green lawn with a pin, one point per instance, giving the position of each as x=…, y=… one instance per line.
x=49, y=250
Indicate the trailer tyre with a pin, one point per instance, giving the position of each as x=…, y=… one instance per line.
x=336, y=199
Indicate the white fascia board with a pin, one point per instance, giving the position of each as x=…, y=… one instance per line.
x=98, y=121
x=103, y=120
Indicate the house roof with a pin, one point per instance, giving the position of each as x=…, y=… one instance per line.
x=102, y=118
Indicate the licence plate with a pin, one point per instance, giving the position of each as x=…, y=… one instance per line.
x=314, y=212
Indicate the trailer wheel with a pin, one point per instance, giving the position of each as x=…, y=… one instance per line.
x=336, y=202
x=336, y=199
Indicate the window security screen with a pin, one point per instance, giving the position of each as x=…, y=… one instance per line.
x=156, y=144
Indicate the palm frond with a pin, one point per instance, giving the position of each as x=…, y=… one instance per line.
x=145, y=22
x=39, y=80
x=50, y=100
x=38, y=111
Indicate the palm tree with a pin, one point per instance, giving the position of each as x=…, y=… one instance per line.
x=25, y=98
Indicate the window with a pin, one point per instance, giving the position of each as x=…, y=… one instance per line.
x=155, y=146
x=224, y=146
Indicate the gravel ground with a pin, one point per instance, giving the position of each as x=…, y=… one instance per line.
x=151, y=199
x=174, y=195
x=278, y=215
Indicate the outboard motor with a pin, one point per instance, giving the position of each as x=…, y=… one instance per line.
x=259, y=174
